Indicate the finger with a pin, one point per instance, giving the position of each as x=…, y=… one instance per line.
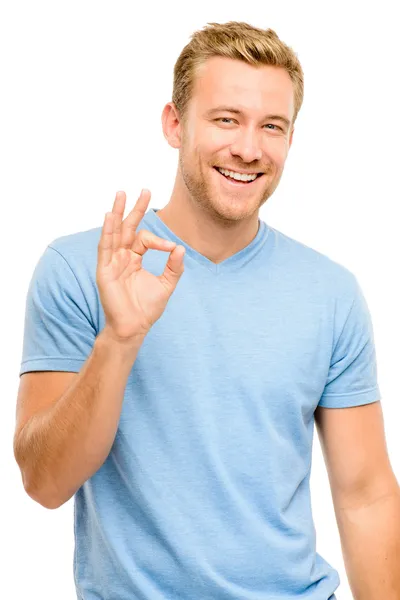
x=145, y=240
x=173, y=269
x=118, y=211
x=133, y=219
x=105, y=246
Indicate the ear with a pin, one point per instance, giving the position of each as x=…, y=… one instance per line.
x=171, y=125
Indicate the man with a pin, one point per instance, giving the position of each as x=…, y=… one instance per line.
x=170, y=382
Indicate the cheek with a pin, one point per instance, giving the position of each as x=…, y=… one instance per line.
x=214, y=138
x=279, y=151
x=275, y=156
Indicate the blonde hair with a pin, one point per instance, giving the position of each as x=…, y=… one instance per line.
x=237, y=40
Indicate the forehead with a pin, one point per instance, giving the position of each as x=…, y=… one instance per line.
x=223, y=80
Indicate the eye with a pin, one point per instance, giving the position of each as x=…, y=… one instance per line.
x=268, y=124
x=224, y=119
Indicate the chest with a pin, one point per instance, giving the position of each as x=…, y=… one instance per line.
x=225, y=354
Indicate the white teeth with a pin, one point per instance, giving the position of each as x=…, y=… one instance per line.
x=238, y=176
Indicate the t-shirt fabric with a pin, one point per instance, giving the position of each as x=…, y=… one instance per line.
x=205, y=492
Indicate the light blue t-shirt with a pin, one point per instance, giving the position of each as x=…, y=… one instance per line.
x=205, y=493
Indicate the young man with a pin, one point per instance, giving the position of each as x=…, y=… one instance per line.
x=170, y=381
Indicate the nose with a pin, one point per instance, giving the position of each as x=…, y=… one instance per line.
x=246, y=145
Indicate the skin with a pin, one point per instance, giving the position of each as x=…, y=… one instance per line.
x=213, y=217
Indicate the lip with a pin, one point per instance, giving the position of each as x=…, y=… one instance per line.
x=238, y=184
x=240, y=172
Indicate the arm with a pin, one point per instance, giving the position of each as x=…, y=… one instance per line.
x=370, y=540
x=60, y=447
x=366, y=498
x=68, y=437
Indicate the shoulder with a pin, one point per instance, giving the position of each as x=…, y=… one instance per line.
x=312, y=267
x=79, y=246
x=69, y=263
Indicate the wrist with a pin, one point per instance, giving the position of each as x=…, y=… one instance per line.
x=109, y=338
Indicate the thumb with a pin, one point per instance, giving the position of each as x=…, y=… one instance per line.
x=173, y=269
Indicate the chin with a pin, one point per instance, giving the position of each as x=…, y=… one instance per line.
x=234, y=210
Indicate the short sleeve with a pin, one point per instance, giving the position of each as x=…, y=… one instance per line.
x=58, y=331
x=352, y=377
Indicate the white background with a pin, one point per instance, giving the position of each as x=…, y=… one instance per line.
x=83, y=87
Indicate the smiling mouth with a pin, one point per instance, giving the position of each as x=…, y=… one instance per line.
x=238, y=182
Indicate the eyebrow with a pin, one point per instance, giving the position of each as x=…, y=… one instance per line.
x=236, y=111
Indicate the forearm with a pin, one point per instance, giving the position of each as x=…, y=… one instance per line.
x=61, y=447
x=370, y=539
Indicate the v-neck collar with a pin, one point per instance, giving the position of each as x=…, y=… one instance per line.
x=236, y=261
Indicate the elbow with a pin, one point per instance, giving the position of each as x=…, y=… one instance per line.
x=47, y=496
x=32, y=486
x=44, y=495
x=39, y=493
x=43, y=499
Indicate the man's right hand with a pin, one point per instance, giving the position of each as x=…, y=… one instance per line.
x=132, y=298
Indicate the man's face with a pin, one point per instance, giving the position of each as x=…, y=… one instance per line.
x=248, y=141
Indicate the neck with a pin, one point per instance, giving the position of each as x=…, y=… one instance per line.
x=215, y=238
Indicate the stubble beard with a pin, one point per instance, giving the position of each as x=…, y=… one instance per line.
x=201, y=195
